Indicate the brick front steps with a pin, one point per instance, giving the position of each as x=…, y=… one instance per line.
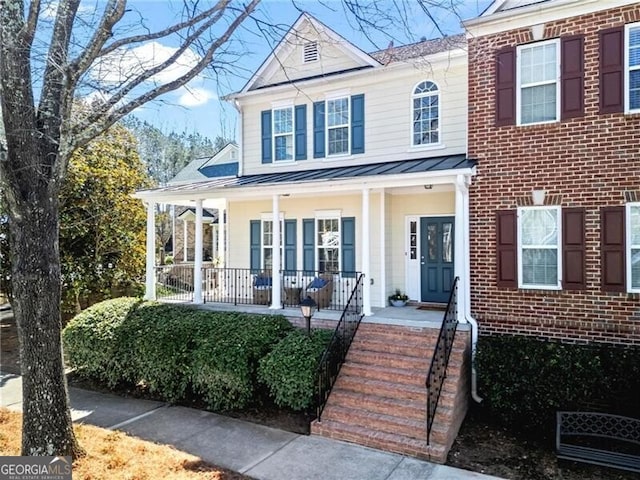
x=379, y=399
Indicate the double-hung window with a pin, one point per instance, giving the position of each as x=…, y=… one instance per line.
x=539, y=242
x=338, y=120
x=267, y=244
x=426, y=114
x=328, y=244
x=632, y=74
x=538, y=74
x=633, y=247
x=283, y=134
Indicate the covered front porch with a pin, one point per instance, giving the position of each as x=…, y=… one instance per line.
x=382, y=221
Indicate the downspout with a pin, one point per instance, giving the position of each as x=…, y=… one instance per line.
x=467, y=293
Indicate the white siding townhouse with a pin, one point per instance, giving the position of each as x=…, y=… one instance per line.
x=361, y=157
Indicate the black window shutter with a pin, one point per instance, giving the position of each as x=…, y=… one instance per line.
x=573, y=249
x=612, y=70
x=572, y=76
x=318, y=129
x=612, y=249
x=266, y=136
x=301, y=132
x=290, y=243
x=357, y=123
x=506, y=86
x=254, y=239
x=349, y=247
x=308, y=246
x=506, y=249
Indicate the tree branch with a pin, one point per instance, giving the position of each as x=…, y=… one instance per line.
x=56, y=97
x=107, y=116
x=113, y=12
x=221, y=5
x=32, y=22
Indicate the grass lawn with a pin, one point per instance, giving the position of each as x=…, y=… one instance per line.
x=116, y=455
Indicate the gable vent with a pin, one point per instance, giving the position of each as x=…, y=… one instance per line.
x=311, y=52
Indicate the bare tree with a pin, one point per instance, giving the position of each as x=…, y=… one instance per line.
x=42, y=130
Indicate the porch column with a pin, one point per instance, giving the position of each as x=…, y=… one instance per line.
x=185, y=236
x=366, y=253
x=276, y=302
x=383, y=250
x=150, y=283
x=461, y=254
x=197, y=266
x=173, y=232
x=221, y=234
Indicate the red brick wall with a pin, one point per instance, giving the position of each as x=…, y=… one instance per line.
x=583, y=162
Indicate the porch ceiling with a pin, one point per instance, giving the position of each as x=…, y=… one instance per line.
x=385, y=174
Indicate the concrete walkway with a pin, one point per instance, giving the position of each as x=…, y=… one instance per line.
x=260, y=452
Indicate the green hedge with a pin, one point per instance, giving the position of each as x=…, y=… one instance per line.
x=172, y=348
x=524, y=381
x=225, y=364
x=289, y=371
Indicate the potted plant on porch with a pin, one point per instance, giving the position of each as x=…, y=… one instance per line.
x=398, y=299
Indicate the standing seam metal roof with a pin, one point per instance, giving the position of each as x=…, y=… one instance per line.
x=422, y=165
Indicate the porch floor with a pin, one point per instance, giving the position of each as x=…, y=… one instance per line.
x=409, y=316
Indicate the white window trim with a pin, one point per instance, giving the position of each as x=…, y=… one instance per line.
x=269, y=218
x=291, y=107
x=328, y=214
x=521, y=284
x=627, y=69
x=327, y=127
x=426, y=146
x=628, y=246
x=555, y=41
x=325, y=215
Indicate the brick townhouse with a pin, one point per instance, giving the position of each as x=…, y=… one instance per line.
x=554, y=122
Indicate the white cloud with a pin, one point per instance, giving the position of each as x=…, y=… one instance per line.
x=193, y=97
x=122, y=65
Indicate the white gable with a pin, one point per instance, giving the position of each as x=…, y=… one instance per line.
x=227, y=155
x=502, y=5
x=309, y=49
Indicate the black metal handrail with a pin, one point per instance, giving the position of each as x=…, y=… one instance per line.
x=336, y=352
x=442, y=351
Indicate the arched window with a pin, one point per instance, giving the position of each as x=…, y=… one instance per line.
x=426, y=114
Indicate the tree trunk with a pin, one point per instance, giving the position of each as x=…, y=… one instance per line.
x=47, y=427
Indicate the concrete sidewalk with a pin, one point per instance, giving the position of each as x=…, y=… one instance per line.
x=260, y=452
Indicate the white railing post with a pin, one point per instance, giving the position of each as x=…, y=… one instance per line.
x=150, y=283
x=366, y=253
x=197, y=266
x=276, y=302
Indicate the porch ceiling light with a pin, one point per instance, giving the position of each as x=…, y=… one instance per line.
x=308, y=308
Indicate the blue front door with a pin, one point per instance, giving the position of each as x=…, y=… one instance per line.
x=436, y=258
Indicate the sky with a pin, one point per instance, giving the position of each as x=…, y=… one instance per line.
x=199, y=108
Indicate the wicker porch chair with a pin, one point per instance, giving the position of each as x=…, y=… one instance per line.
x=262, y=288
x=321, y=295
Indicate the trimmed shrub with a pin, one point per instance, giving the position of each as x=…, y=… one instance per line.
x=289, y=371
x=158, y=343
x=225, y=363
x=524, y=381
x=172, y=348
x=92, y=340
